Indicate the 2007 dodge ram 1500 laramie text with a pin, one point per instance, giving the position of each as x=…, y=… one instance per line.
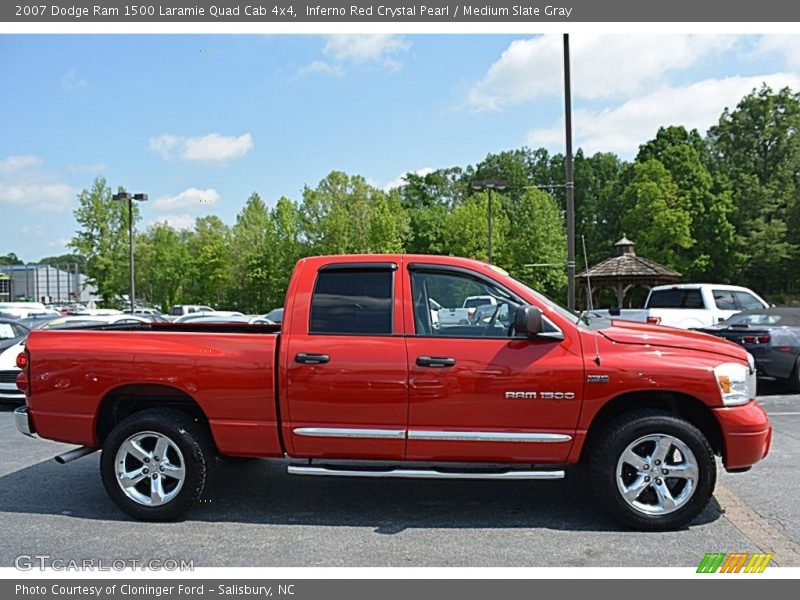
x=362, y=381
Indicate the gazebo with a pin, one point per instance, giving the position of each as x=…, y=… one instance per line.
x=626, y=271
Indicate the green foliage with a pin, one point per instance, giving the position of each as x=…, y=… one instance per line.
x=708, y=202
x=163, y=265
x=466, y=232
x=539, y=236
x=10, y=259
x=725, y=207
x=345, y=214
x=658, y=214
x=756, y=146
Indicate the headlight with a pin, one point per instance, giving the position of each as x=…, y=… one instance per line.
x=736, y=383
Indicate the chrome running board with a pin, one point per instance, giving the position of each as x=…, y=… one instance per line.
x=425, y=473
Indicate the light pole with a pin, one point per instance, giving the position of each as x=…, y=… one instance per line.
x=570, y=182
x=123, y=196
x=489, y=185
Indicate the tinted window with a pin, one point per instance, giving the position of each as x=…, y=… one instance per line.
x=747, y=301
x=724, y=299
x=352, y=301
x=675, y=299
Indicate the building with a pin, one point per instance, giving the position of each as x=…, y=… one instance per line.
x=44, y=283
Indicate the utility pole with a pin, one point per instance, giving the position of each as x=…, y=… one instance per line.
x=570, y=183
x=489, y=185
x=127, y=196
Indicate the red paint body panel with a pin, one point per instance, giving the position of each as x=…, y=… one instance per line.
x=255, y=394
x=231, y=376
x=747, y=434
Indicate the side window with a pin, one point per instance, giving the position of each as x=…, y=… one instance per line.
x=675, y=298
x=455, y=305
x=352, y=301
x=724, y=299
x=747, y=301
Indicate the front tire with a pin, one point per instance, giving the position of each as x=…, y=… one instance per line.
x=155, y=464
x=652, y=470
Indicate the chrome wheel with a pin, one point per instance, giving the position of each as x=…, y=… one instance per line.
x=150, y=468
x=657, y=474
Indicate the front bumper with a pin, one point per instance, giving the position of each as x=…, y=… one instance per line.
x=22, y=420
x=746, y=434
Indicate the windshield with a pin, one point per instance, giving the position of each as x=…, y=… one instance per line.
x=556, y=308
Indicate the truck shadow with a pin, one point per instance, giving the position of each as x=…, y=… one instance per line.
x=261, y=492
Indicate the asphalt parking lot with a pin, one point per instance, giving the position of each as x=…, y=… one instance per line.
x=254, y=514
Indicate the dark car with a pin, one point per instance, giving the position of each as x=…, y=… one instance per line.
x=772, y=336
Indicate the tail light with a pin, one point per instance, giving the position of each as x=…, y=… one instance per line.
x=653, y=320
x=756, y=339
x=749, y=339
x=762, y=339
x=22, y=379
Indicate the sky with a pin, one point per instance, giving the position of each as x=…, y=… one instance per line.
x=199, y=122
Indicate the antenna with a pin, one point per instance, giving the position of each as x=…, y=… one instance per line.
x=589, y=301
x=588, y=281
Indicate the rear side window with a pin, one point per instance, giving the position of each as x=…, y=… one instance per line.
x=747, y=301
x=352, y=301
x=675, y=299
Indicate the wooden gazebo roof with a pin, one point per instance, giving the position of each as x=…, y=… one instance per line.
x=626, y=268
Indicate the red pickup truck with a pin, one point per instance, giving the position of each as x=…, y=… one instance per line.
x=364, y=380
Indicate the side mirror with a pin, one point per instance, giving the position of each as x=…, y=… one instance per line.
x=528, y=321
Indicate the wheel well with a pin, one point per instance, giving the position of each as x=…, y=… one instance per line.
x=128, y=399
x=682, y=405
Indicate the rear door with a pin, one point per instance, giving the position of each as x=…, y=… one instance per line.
x=346, y=376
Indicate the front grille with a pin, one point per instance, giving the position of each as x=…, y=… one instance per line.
x=9, y=376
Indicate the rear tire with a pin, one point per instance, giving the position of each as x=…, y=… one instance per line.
x=156, y=463
x=651, y=470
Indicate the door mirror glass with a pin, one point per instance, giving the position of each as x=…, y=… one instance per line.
x=528, y=321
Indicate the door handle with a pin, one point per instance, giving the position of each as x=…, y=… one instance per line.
x=435, y=361
x=311, y=359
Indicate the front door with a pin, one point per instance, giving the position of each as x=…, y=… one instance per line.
x=476, y=391
x=346, y=379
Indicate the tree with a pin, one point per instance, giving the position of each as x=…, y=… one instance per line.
x=427, y=199
x=465, y=231
x=757, y=147
x=657, y=219
x=102, y=239
x=539, y=237
x=286, y=223
x=10, y=259
x=209, y=271
x=163, y=259
x=709, y=202
x=253, y=241
x=345, y=214
x=62, y=260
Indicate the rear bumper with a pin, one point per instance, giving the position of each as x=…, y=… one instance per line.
x=746, y=433
x=23, y=421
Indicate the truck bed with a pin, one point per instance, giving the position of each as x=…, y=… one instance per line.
x=228, y=369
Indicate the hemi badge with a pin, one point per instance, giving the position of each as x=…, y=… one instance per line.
x=597, y=378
